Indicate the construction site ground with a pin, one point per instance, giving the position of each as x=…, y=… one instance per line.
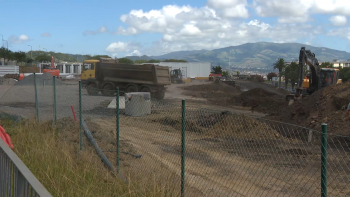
x=230, y=150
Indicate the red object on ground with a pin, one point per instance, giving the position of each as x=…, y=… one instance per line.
x=75, y=118
x=21, y=76
x=52, y=70
x=215, y=75
x=5, y=137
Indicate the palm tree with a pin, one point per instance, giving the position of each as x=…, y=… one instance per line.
x=279, y=64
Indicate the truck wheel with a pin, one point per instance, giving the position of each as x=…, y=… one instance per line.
x=145, y=89
x=92, y=89
x=159, y=95
x=108, y=90
x=131, y=88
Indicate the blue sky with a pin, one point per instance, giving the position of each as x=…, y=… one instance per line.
x=156, y=27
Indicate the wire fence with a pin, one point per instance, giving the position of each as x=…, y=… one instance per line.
x=191, y=151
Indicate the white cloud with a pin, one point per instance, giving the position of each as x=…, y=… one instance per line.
x=340, y=32
x=299, y=11
x=102, y=29
x=341, y=7
x=230, y=8
x=134, y=53
x=338, y=20
x=45, y=35
x=123, y=48
x=222, y=23
x=290, y=11
x=88, y=32
x=19, y=39
x=128, y=31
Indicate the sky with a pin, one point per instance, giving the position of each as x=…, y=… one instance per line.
x=156, y=27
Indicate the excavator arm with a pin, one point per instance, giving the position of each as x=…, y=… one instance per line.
x=308, y=58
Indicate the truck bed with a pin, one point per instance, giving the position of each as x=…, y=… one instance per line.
x=133, y=73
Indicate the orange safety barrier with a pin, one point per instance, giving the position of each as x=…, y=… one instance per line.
x=5, y=137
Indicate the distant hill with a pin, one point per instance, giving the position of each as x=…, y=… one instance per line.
x=255, y=55
x=260, y=54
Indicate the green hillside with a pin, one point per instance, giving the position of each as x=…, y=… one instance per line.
x=258, y=55
x=264, y=54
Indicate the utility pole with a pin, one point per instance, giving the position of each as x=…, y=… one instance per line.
x=229, y=57
x=31, y=51
x=2, y=39
x=2, y=44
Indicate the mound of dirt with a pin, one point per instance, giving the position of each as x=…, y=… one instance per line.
x=327, y=105
x=243, y=127
x=212, y=88
x=215, y=93
x=47, y=77
x=260, y=100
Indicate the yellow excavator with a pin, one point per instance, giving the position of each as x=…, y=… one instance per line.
x=316, y=79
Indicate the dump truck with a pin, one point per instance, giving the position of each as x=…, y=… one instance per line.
x=106, y=74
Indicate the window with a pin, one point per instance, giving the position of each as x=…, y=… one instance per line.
x=90, y=66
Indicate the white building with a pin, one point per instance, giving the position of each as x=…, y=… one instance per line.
x=193, y=70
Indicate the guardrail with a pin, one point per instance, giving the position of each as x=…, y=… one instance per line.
x=15, y=178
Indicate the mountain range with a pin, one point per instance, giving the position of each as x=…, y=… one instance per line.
x=260, y=54
x=249, y=55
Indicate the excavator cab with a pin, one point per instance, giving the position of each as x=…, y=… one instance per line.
x=328, y=76
x=176, y=76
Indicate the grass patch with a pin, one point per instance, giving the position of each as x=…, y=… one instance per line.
x=56, y=161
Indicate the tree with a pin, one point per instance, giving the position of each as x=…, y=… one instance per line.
x=140, y=61
x=125, y=61
x=174, y=60
x=225, y=74
x=43, y=58
x=153, y=61
x=29, y=60
x=344, y=74
x=217, y=69
x=326, y=65
x=279, y=64
x=291, y=73
x=237, y=73
x=20, y=56
x=270, y=75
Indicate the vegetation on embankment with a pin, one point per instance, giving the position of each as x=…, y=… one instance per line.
x=53, y=156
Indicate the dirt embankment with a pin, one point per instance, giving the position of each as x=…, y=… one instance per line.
x=327, y=105
x=258, y=99
x=215, y=93
x=211, y=90
x=23, y=69
x=261, y=100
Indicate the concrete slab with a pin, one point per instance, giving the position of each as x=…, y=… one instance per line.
x=112, y=104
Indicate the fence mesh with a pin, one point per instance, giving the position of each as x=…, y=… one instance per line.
x=226, y=154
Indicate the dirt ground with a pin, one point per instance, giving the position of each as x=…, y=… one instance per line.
x=327, y=105
x=230, y=150
x=247, y=158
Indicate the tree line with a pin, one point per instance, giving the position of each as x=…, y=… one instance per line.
x=18, y=56
x=291, y=74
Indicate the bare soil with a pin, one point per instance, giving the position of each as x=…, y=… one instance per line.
x=261, y=98
x=327, y=105
x=232, y=156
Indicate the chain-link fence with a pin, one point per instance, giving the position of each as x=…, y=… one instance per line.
x=190, y=151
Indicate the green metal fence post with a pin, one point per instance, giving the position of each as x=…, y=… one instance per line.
x=36, y=100
x=183, y=149
x=324, y=161
x=54, y=101
x=117, y=117
x=80, y=120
